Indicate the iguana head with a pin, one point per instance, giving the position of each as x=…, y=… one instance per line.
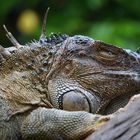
x=86, y=74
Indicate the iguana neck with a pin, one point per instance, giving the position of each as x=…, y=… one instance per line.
x=21, y=77
x=26, y=59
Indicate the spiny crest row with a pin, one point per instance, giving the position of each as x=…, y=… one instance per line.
x=51, y=40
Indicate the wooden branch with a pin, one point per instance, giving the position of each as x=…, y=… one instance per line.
x=124, y=124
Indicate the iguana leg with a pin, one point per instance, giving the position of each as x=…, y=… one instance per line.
x=53, y=124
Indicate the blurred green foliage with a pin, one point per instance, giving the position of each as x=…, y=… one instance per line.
x=112, y=21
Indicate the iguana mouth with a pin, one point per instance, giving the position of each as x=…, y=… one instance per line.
x=123, y=73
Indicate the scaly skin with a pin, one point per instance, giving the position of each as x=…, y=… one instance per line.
x=71, y=73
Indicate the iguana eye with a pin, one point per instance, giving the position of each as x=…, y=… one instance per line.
x=107, y=54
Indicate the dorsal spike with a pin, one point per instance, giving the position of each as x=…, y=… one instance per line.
x=4, y=53
x=44, y=24
x=138, y=50
x=12, y=38
x=1, y=48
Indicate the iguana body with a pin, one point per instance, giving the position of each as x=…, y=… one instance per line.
x=71, y=73
x=24, y=95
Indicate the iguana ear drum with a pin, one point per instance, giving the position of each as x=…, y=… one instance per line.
x=78, y=101
x=74, y=101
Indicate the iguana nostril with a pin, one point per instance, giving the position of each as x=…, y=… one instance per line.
x=75, y=101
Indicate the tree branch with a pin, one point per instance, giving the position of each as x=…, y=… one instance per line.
x=123, y=125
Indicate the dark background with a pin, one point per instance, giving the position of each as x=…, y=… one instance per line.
x=113, y=21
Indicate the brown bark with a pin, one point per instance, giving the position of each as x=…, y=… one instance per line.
x=124, y=124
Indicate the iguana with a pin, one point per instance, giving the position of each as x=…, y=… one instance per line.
x=83, y=76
